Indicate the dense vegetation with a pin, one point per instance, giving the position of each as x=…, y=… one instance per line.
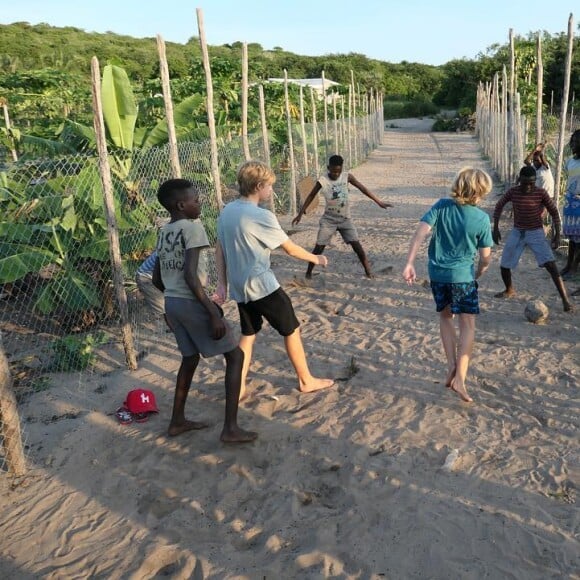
x=44, y=74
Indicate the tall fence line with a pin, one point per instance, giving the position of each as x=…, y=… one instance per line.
x=60, y=313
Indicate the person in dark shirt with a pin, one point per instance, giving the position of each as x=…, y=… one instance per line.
x=529, y=202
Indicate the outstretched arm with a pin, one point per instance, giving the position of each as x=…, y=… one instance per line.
x=421, y=233
x=300, y=253
x=306, y=203
x=363, y=189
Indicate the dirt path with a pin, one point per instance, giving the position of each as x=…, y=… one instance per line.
x=347, y=483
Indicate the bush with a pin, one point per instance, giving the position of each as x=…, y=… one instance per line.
x=410, y=108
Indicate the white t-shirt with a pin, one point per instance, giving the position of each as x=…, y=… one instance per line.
x=248, y=234
x=335, y=195
x=173, y=240
x=545, y=179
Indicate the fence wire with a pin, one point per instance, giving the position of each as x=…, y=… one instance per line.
x=59, y=319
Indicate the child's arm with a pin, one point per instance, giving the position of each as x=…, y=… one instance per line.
x=222, y=275
x=354, y=181
x=300, y=253
x=421, y=233
x=156, y=276
x=556, y=221
x=194, y=283
x=484, y=262
x=317, y=187
x=496, y=236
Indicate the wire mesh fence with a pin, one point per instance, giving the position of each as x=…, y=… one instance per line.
x=59, y=315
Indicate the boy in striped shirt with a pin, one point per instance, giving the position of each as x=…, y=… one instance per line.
x=529, y=202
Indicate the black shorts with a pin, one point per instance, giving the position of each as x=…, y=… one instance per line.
x=276, y=308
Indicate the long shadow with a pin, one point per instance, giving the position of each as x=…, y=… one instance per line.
x=357, y=491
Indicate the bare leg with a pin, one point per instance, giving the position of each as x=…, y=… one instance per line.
x=179, y=424
x=506, y=276
x=572, y=251
x=464, y=348
x=297, y=356
x=231, y=433
x=553, y=271
x=449, y=341
x=318, y=249
x=247, y=347
x=359, y=251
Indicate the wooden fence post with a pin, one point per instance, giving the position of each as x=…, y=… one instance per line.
x=109, y=202
x=290, y=147
x=563, y=112
x=245, y=144
x=215, y=169
x=9, y=420
x=164, y=70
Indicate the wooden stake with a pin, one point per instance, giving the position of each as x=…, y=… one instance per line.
x=245, y=143
x=9, y=420
x=215, y=170
x=164, y=70
x=112, y=230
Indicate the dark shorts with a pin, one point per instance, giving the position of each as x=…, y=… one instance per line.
x=276, y=308
x=461, y=297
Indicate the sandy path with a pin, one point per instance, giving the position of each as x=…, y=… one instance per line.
x=341, y=484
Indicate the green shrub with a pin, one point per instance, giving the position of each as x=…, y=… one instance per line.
x=76, y=352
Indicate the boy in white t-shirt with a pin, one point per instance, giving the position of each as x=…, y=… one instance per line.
x=247, y=234
x=196, y=321
x=336, y=217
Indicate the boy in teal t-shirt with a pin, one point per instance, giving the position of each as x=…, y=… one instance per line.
x=460, y=231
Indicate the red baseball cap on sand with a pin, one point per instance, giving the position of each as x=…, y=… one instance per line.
x=141, y=401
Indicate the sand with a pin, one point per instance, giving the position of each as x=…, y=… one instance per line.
x=346, y=483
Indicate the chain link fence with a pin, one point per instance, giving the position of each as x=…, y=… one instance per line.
x=58, y=314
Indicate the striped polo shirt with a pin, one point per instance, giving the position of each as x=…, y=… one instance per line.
x=528, y=208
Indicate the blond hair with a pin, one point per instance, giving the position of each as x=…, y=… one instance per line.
x=251, y=174
x=470, y=185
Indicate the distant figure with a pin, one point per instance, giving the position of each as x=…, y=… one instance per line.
x=529, y=202
x=196, y=321
x=571, y=211
x=336, y=217
x=460, y=232
x=246, y=236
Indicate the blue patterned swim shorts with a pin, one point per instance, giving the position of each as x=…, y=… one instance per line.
x=461, y=296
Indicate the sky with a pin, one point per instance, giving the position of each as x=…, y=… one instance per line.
x=424, y=31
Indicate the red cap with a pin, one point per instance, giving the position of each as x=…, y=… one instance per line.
x=141, y=401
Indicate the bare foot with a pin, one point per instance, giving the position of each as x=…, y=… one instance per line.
x=237, y=435
x=461, y=392
x=450, y=377
x=316, y=385
x=179, y=428
x=568, y=307
x=369, y=275
x=308, y=276
x=505, y=294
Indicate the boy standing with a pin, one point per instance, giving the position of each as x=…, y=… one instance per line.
x=571, y=209
x=247, y=234
x=460, y=231
x=529, y=203
x=196, y=321
x=336, y=217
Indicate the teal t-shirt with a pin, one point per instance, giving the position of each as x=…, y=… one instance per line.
x=459, y=231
